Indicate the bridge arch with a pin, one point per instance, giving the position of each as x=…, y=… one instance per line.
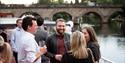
x=92, y=18
x=62, y=14
x=115, y=22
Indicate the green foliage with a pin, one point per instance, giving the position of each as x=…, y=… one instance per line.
x=63, y=15
x=119, y=2
x=50, y=2
x=104, y=1
x=60, y=1
x=115, y=22
x=77, y=1
x=44, y=1
x=114, y=26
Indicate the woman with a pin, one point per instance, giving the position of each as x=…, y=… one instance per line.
x=91, y=40
x=5, y=51
x=78, y=52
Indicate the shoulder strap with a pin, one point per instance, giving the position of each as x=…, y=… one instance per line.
x=91, y=55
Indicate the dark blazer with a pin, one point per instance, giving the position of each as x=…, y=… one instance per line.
x=52, y=45
x=95, y=50
x=68, y=58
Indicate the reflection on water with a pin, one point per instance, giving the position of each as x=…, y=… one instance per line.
x=112, y=48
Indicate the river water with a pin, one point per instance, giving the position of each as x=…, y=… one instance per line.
x=112, y=48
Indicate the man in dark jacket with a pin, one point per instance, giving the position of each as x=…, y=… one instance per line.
x=41, y=36
x=58, y=43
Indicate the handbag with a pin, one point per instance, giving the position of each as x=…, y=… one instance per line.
x=93, y=59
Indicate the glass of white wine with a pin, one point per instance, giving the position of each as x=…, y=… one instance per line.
x=42, y=44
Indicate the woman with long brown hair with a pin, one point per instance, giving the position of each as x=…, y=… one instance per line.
x=91, y=40
x=5, y=51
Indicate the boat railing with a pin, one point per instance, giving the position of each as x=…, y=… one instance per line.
x=104, y=60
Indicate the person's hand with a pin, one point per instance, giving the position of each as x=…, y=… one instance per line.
x=43, y=49
x=58, y=57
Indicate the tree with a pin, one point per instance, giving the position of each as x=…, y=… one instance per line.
x=50, y=1
x=44, y=1
x=119, y=2
x=60, y=1
x=63, y=15
x=104, y=1
x=82, y=1
x=0, y=3
x=76, y=2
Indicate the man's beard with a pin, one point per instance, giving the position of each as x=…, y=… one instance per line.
x=60, y=33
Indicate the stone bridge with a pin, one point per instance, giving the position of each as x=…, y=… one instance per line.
x=48, y=11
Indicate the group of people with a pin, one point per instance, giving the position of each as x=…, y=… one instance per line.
x=30, y=43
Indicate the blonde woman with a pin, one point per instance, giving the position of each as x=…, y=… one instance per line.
x=78, y=52
x=91, y=40
x=5, y=51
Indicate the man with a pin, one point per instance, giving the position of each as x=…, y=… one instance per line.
x=58, y=43
x=15, y=37
x=41, y=36
x=29, y=51
x=69, y=27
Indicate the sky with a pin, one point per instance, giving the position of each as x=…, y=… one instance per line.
x=24, y=1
